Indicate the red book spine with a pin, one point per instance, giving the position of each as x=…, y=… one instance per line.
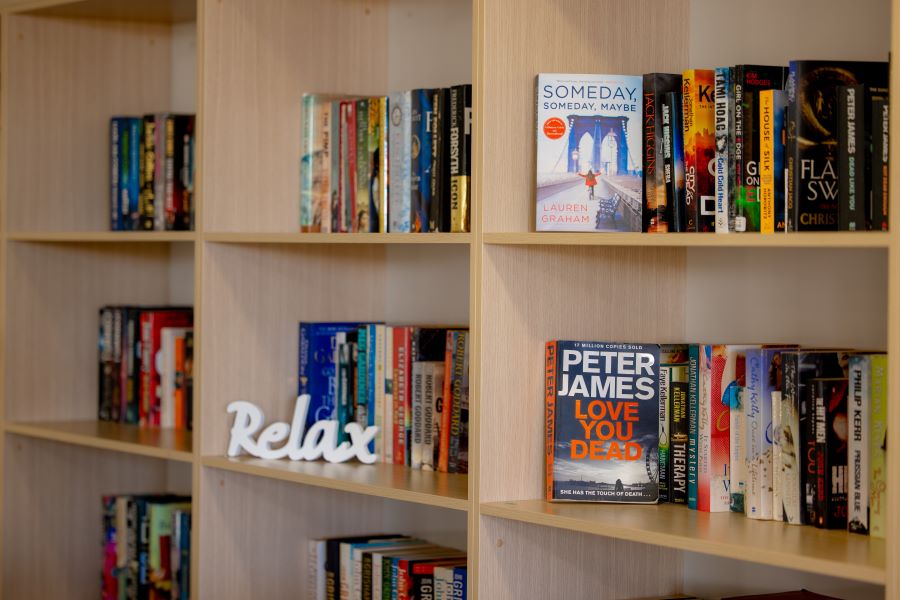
x=351, y=161
x=401, y=391
x=146, y=394
x=447, y=409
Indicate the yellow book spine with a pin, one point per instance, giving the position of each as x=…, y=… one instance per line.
x=766, y=162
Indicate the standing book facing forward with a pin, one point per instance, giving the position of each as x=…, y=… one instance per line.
x=602, y=427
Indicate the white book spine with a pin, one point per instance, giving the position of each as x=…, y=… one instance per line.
x=312, y=566
x=737, y=446
x=753, y=495
x=858, y=449
x=777, y=459
x=356, y=581
x=428, y=393
x=400, y=162
x=346, y=570
x=790, y=445
x=376, y=576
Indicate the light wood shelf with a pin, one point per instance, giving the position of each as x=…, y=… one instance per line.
x=340, y=238
x=393, y=482
x=154, y=11
x=834, y=553
x=869, y=239
x=168, y=444
x=103, y=236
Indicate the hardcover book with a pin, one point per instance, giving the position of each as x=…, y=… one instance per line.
x=589, y=175
x=812, y=126
x=602, y=426
x=698, y=125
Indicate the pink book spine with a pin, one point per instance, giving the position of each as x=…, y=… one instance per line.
x=703, y=430
x=720, y=446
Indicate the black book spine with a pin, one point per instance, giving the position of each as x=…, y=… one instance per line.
x=810, y=452
x=737, y=144
x=422, y=586
x=114, y=377
x=836, y=456
x=819, y=391
x=133, y=370
x=445, y=223
x=678, y=430
x=104, y=410
x=462, y=222
x=189, y=378
x=673, y=158
x=148, y=173
x=366, y=576
x=332, y=569
x=851, y=158
x=880, y=154
x=649, y=118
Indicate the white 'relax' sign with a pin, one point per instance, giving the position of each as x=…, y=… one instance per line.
x=298, y=444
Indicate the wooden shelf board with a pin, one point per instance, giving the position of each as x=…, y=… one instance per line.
x=339, y=238
x=102, y=236
x=392, y=482
x=843, y=239
x=167, y=444
x=835, y=553
x=151, y=11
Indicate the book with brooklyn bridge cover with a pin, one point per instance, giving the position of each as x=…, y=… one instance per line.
x=588, y=171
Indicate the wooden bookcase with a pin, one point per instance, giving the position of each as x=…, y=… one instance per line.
x=241, y=65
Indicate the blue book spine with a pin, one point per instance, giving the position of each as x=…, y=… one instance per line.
x=130, y=185
x=395, y=576
x=423, y=207
x=317, y=365
x=693, y=399
x=185, y=564
x=459, y=583
x=778, y=159
x=304, y=358
x=115, y=146
x=373, y=341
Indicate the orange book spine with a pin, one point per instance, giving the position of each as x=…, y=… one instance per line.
x=550, y=389
x=444, y=455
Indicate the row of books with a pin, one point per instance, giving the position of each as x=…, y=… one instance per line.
x=146, y=547
x=146, y=357
x=151, y=166
x=380, y=566
x=749, y=148
x=411, y=382
x=397, y=163
x=774, y=432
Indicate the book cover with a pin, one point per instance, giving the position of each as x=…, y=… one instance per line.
x=713, y=423
x=725, y=212
x=733, y=383
x=812, y=126
x=165, y=367
x=673, y=158
x=878, y=448
x=749, y=80
x=378, y=164
x=880, y=199
x=852, y=145
x=602, y=429
x=400, y=160
x=657, y=213
x=698, y=127
x=831, y=452
x=152, y=323
x=859, y=401
x=460, y=153
x=588, y=170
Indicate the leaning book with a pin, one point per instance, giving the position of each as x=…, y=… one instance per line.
x=588, y=168
x=602, y=423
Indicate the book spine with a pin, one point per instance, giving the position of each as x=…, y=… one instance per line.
x=400, y=158
x=878, y=448
x=372, y=341
x=438, y=115
x=550, y=375
x=348, y=164
x=698, y=126
x=418, y=405
x=858, y=449
x=428, y=399
x=766, y=162
x=704, y=431
x=851, y=158
x=322, y=180
x=388, y=435
x=810, y=462
x=678, y=395
x=460, y=363
x=104, y=411
x=777, y=459
x=664, y=433
x=724, y=222
x=673, y=158
x=652, y=220
x=307, y=158
x=402, y=406
x=443, y=463
x=115, y=147
x=378, y=392
x=792, y=114
x=362, y=371
x=880, y=164
x=693, y=406
x=817, y=388
x=148, y=164
x=779, y=104
x=737, y=145
x=118, y=400
x=312, y=566
x=171, y=208
x=460, y=157
x=791, y=447
x=159, y=174
x=737, y=444
x=754, y=454
x=421, y=179
x=363, y=202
